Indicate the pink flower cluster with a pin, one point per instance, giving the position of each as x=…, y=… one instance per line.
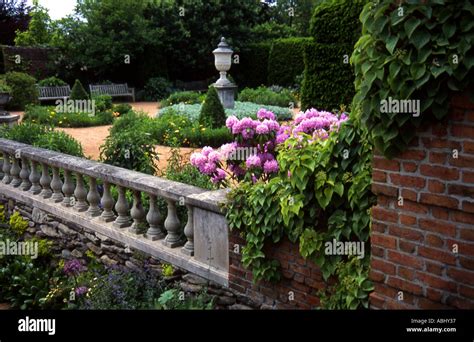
x=261, y=136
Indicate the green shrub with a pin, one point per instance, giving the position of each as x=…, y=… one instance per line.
x=252, y=70
x=266, y=96
x=139, y=122
x=286, y=61
x=131, y=150
x=4, y=87
x=186, y=97
x=212, y=112
x=122, y=108
x=60, y=142
x=51, y=82
x=157, y=88
x=26, y=132
x=23, y=88
x=198, y=136
x=328, y=76
x=102, y=102
x=78, y=92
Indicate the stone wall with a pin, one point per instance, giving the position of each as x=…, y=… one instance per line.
x=72, y=242
x=423, y=225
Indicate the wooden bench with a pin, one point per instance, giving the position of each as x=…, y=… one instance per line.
x=113, y=90
x=54, y=93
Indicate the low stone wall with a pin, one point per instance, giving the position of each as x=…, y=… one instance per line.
x=70, y=241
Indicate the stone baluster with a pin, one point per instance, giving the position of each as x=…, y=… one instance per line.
x=172, y=225
x=155, y=221
x=1, y=168
x=56, y=186
x=122, y=208
x=68, y=189
x=25, y=175
x=137, y=212
x=93, y=197
x=15, y=173
x=35, y=178
x=81, y=194
x=45, y=182
x=188, y=248
x=6, y=169
x=108, y=203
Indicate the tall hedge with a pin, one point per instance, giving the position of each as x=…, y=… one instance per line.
x=252, y=70
x=24, y=89
x=329, y=78
x=285, y=61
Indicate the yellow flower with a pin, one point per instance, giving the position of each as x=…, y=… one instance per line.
x=203, y=129
x=177, y=131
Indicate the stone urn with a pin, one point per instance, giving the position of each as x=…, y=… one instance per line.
x=6, y=117
x=4, y=99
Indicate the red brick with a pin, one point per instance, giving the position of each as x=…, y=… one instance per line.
x=382, y=265
x=459, y=303
x=468, y=147
x=437, y=254
x=469, y=116
x=440, y=143
x=461, y=190
x=384, y=201
x=379, y=176
x=415, y=207
x=436, y=186
x=468, y=206
x=466, y=291
x=314, y=284
x=460, y=275
x=398, y=305
x=464, y=248
x=300, y=287
x=467, y=263
x=384, y=215
x=412, y=155
x=299, y=278
x=439, y=200
x=409, y=167
x=378, y=251
x=406, y=246
x=384, y=189
x=440, y=172
x=434, y=295
x=437, y=226
x=408, y=181
x=404, y=285
x=460, y=101
x=378, y=227
x=407, y=220
x=302, y=270
x=463, y=161
x=409, y=195
x=434, y=240
x=376, y=301
x=415, y=142
x=467, y=177
x=237, y=272
x=383, y=240
x=462, y=131
x=438, y=158
x=404, y=259
x=426, y=304
x=385, y=164
x=287, y=274
x=434, y=268
x=385, y=290
x=406, y=233
x=436, y=282
x=440, y=213
x=406, y=273
x=376, y=276
x=439, y=130
x=459, y=216
x=466, y=234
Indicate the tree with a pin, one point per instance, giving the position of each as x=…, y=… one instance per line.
x=212, y=112
x=13, y=16
x=39, y=32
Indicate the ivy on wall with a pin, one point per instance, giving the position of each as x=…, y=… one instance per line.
x=411, y=52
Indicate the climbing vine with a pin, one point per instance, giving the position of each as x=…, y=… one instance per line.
x=321, y=193
x=414, y=50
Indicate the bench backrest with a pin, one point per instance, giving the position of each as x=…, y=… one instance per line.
x=109, y=89
x=54, y=92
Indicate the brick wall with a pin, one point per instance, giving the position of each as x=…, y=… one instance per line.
x=299, y=284
x=414, y=241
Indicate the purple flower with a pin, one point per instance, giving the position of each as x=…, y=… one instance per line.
x=265, y=114
x=82, y=290
x=270, y=166
x=198, y=160
x=220, y=175
x=272, y=125
x=248, y=133
x=236, y=170
x=253, y=161
x=73, y=267
x=206, y=150
x=227, y=149
x=262, y=129
x=214, y=157
x=231, y=121
x=208, y=168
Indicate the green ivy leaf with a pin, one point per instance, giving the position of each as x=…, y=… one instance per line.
x=391, y=43
x=410, y=26
x=420, y=38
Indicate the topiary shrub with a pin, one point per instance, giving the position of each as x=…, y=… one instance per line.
x=23, y=89
x=212, y=112
x=285, y=61
x=78, y=92
x=328, y=77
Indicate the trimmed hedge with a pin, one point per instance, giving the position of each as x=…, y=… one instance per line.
x=285, y=61
x=252, y=70
x=328, y=77
x=24, y=90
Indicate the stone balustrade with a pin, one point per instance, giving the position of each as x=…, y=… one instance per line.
x=82, y=192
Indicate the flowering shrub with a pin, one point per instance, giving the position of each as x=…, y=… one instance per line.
x=252, y=155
